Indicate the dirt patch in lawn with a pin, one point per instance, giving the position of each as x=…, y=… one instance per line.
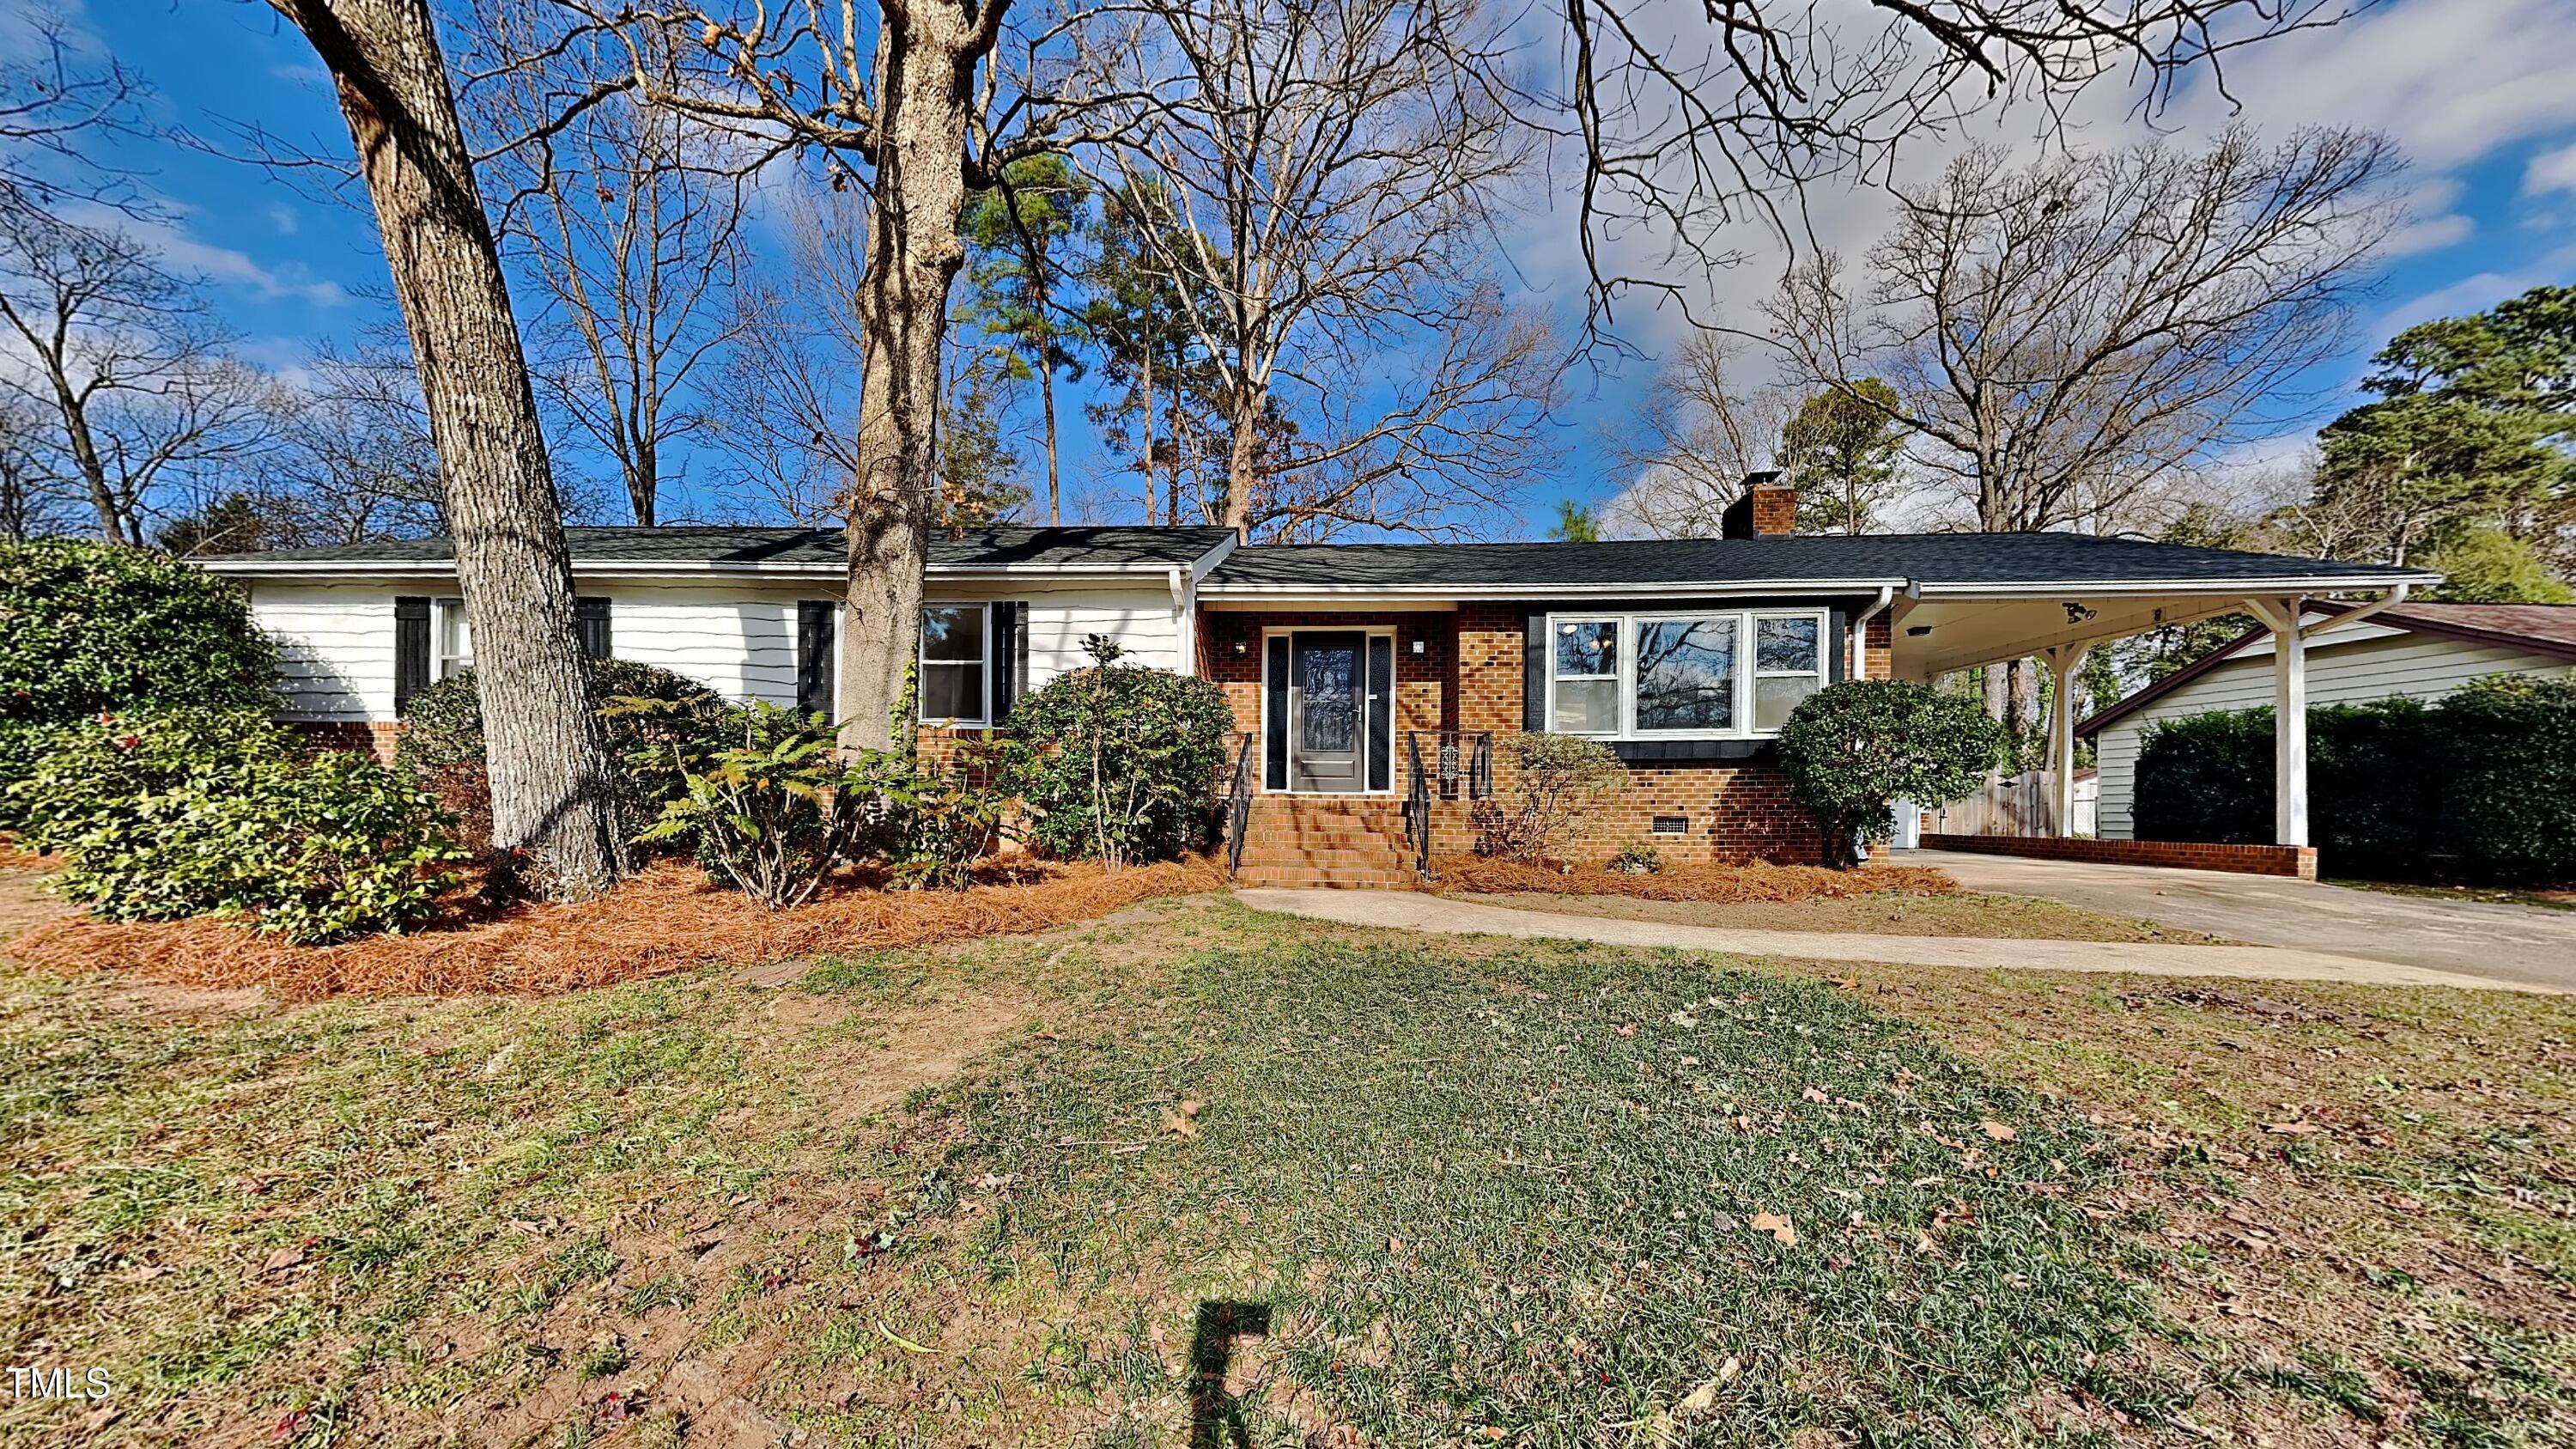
x=1744, y=880
x=1887, y=914
x=665, y=919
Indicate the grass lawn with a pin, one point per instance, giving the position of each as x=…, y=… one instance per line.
x=1195, y=1174
x=1964, y=913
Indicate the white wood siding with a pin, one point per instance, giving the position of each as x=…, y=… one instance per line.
x=2340, y=671
x=335, y=646
x=337, y=640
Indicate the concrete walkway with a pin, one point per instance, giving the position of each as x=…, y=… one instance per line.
x=1408, y=911
x=2523, y=945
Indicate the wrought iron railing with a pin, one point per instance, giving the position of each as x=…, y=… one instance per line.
x=1417, y=805
x=1462, y=763
x=1238, y=808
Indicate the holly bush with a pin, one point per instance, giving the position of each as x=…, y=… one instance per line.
x=88, y=626
x=1852, y=750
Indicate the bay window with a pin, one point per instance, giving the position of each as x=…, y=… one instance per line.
x=956, y=670
x=1731, y=672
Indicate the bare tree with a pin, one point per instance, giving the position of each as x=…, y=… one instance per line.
x=124, y=363
x=787, y=397
x=52, y=100
x=1688, y=121
x=906, y=100
x=626, y=217
x=1332, y=170
x=2064, y=336
x=355, y=461
x=1701, y=431
x=547, y=757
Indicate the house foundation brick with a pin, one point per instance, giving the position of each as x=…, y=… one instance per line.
x=375, y=737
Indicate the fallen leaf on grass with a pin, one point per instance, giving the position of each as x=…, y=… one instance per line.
x=1778, y=1227
x=1625, y=1029
x=2293, y=1129
x=1179, y=1125
x=1997, y=1130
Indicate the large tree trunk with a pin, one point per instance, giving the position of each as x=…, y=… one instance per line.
x=543, y=747
x=924, y=68
x=1243, y=452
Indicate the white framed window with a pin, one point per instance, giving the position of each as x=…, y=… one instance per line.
x=1583, y=691
x=1702, y=673
x=451, y=638
x=957, y=664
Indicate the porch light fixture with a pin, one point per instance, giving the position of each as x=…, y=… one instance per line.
x=1417, y=646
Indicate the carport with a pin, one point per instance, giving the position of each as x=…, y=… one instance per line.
x=1938, y=625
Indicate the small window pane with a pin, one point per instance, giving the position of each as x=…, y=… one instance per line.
x=1586, y=707
x=1775, y=695
x=1786, y=645
x=953, y=631
x=952, y=691
x=1686, y=674
x=1589, y=646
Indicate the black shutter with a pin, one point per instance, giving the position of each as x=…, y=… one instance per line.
x=411, y=649
x=1381, y=711
x=591, y=616
x=1006, y=658
x=814, y=656
x=1274, y=753
x=1534, y=674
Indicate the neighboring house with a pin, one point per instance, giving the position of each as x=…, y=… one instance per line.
x=2422, y=651
x=1344, y=662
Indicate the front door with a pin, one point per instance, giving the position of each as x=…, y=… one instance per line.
x=1327, y=753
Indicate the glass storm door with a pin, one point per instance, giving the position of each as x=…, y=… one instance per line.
x=1326, y=687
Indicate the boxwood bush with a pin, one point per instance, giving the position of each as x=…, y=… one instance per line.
x=87, y=626
x=2478, y=787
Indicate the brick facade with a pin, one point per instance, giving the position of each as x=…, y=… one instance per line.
x=376, y=737
x=2298, y=861
x=1470, y=677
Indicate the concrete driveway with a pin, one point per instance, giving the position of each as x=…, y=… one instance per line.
x=2527, y=944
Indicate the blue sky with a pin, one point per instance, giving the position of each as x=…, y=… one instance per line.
x=2480, y=93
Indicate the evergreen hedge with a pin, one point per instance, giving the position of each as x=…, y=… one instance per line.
x=2479, y=787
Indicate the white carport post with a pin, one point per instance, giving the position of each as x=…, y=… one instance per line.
x=2289, y=718
x=2063, y=660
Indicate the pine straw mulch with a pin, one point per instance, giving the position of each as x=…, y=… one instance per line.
x=1722, y=881
x=663, y=920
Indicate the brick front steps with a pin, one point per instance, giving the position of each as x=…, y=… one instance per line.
x=2297, y=861
x=1315, y=840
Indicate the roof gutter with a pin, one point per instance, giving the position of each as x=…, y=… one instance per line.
x=1859, y=655
x=344, y=569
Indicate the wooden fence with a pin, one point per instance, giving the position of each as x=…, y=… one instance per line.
x=2014, y=805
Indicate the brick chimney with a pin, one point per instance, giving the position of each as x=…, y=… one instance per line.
x=1768, y=509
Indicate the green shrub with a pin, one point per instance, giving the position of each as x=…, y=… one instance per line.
x=772, y=810
x=442, y=738
x=68, y=777
x=2479, y=787
x=2206, y=778
x=1118, y=762
x=86, y=627
x=2508, y=803
x=315, y=850
x=943, y=821
x=1852, y=750
x=1550, y=778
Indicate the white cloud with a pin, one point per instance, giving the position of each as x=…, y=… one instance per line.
x=2476, y=293
x=168, y=237
x=2551, y=171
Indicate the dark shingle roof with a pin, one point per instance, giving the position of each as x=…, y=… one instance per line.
x=1954, y=559
x=987, y=547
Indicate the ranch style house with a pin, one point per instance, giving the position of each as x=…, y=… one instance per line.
x=1368, y=680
